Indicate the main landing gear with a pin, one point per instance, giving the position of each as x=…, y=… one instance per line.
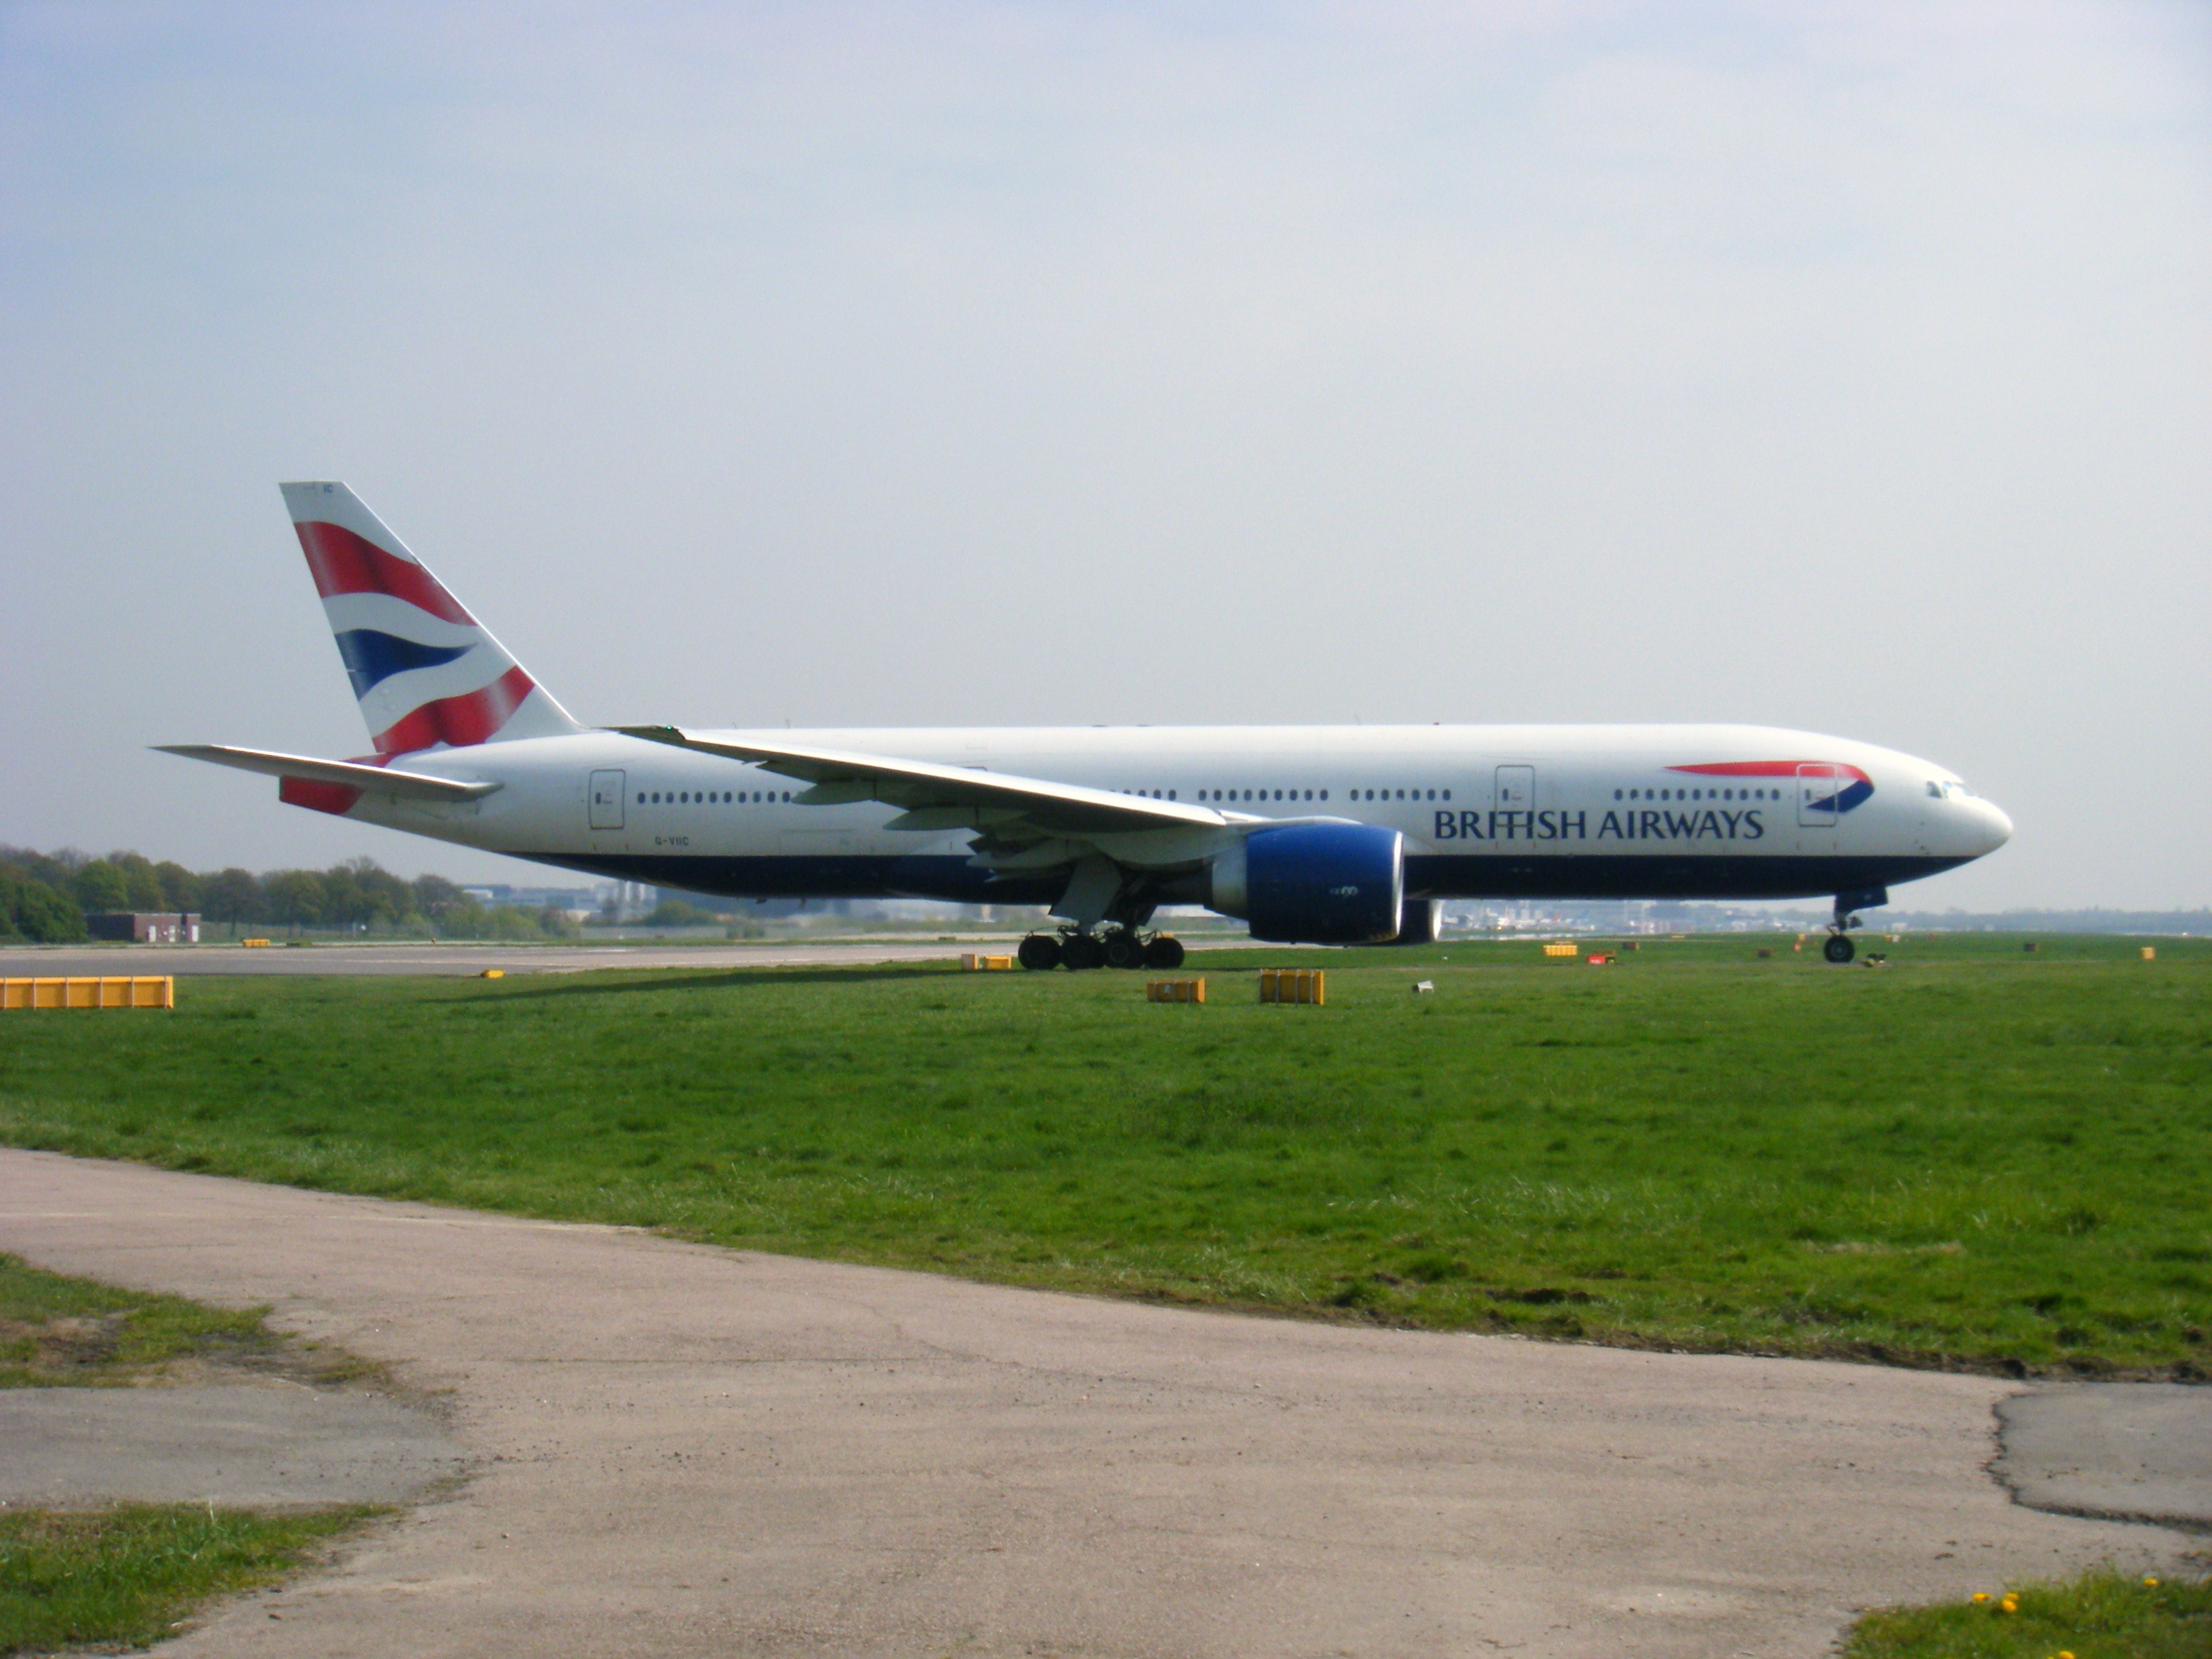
x=1116, y=947
x=1840, y=949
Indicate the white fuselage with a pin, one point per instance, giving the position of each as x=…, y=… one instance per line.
x=1622, y=811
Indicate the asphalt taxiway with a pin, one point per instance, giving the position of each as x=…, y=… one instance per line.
x=385, y=958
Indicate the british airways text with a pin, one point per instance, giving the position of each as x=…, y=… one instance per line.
x=1650, y=823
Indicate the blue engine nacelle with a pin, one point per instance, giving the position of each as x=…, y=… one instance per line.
x=1313, y=884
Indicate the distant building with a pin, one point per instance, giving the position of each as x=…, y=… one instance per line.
x=145, y=927
x=534, y=898
x=722, y=904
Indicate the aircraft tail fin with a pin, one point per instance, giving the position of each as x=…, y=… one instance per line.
x=427, y=675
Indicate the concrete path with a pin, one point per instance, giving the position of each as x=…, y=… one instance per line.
x=689, y=1451
x=2142, y=1449
x=274, y=1444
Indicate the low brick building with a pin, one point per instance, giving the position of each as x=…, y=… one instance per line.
x=145, y=927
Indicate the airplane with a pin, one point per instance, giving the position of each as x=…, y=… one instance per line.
x=1313, y=834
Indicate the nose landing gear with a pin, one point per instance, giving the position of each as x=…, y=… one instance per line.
x=1839, y=948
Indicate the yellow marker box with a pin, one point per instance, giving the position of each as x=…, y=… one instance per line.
x=1175, y=990
x=1302, y=985
x=120, y=991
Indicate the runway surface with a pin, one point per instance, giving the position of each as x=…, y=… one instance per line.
x=66, y=960
x=682, y=1450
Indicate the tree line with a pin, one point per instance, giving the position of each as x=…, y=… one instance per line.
x=46, y=896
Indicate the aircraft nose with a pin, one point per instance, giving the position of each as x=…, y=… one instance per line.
x=1996, y=828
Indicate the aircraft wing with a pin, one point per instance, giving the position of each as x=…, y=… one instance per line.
x=409, y=785
x=950, y=797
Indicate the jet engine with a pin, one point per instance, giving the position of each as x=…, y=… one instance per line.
x=1313, y=883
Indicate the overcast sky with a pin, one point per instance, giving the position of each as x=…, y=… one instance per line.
x=1833, y=365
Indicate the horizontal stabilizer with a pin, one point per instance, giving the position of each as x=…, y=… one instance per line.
x=349, y=774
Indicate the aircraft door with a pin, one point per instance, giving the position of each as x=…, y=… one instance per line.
x=606, y=793
x=1818, y=786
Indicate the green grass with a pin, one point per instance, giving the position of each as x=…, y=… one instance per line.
x=2104, y=1615
x=1969, y=1156
x=128, y=1575
x=59, y=1331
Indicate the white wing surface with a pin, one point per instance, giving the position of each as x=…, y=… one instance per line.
x=937, y=797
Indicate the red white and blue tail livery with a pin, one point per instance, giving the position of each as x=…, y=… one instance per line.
x=427, y=675
x=1331, y=835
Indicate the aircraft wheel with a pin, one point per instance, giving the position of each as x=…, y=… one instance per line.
x=1839, y=948
x=1124, y=949
x=1164, y=951
x=1079, y=950
x=1041, y=952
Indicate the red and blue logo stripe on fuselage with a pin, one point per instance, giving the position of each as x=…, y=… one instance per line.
x=1852, y=787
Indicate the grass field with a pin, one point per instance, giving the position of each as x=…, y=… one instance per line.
x=1969, y=1156
x=2102, y=1615
x=127, y=1576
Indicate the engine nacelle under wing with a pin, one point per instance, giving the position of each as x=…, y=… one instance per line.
x=1315, y=883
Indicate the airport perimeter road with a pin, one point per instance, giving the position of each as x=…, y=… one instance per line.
x=59, y=961
x=682, y=1450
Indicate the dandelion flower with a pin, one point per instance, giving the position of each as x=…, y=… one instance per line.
x=2150, y=1583
x=1981, y=1596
